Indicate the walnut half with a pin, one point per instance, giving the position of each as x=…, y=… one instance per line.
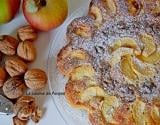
x=26, y=108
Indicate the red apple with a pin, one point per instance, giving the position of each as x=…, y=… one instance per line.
x=8, y=9
x=45, y=14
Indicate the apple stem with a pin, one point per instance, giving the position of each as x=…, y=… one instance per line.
x=43, y=2
x=35, y=5
x=40, y=3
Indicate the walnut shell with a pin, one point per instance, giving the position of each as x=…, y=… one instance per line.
x=14, y=88
x=2, y=76
x=25, y=107
x=17, y=121
x=15, y=66
x=37, y=115
x=35, y=79
x=26, y=51
x=8, y=44
x=27, y=33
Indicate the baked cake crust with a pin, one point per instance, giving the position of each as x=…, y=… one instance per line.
x=112, y=62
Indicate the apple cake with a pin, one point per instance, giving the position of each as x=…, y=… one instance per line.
x=112, y=62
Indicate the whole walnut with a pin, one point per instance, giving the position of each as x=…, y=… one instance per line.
x=14, y=87
x=27, y=33
x=15, y=66
x=26, y=108
x=26, y=51
x=3, y=75
x=35, y=79
x=8, y=45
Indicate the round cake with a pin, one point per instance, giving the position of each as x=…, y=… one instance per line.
x=112, y=62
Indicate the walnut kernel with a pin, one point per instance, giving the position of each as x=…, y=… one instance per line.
x=17, y=121
x=37, y=115
x=26, y=108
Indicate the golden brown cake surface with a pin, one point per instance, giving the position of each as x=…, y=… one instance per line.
x=112, y=62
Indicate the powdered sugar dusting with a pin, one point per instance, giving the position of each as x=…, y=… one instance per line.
x=98, y=47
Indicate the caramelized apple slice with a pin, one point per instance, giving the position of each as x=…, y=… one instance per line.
x=156, y=101
x=125, y=42
x=156, y=10
x=96, y=103
x=82, y=72
x=126, y=68
x=108, y=108
x=116, y=55
x=152, y=59
x=91, y=92
x=83, y=30
x=140, y=113
x=72, y=93
x=78, y=54
x=69, y=58
x=134, y=7
x=149, y=45
x=123, y=115
x=85, y=73
x=153, y=7
x=96, y=118
x=155, y=114
x=128, y=43
x=142, y=68
x=110, y=4
x=96, y=13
